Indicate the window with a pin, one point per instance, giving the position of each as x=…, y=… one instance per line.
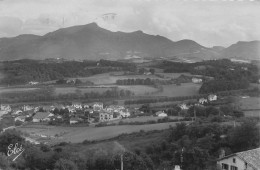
x=234, y=160
x=224, y=166
x=234, y=168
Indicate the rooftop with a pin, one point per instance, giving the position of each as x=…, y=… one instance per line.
x=41, y=115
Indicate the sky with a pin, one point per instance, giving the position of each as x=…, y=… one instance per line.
x=208, y=22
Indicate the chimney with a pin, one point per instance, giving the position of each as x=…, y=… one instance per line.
x=222, y=153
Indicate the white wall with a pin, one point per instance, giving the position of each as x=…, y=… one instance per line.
x=240, y=164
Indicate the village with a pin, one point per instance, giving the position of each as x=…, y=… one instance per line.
x=80, y=113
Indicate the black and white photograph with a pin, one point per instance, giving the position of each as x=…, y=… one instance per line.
x=129, y=85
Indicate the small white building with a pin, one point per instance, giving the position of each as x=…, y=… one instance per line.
x=16, y=112
x=97, y=106
x=20, y=118
x=212, y=97
x=161, y=114
x=4, y=107
x=124, y=113
x=33, y=83
x=203, y=101
x=196, y=80
x=74, y=120
x=246, y=160
x=76, y=105
x=183, y=106
x=27, y=107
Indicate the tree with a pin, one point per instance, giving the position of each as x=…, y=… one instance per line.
x=62, y=164
x=152, y=70
x=244, y=137
x=10, y=137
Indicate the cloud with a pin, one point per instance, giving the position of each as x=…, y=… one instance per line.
x=207, y=22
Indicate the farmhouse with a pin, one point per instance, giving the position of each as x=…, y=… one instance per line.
x=6, y=108
x=97, y=106
x=20, y=118
x=76, y=105
x=184, y=106
x=203, y=100
x=212, y=97
x=27, y=107
x=124, y=113
x=33, y=82
x=161, y=114
x=42, y=116
x=16, y=112
x=74, y=120
x=196, y=80
x=246, y=160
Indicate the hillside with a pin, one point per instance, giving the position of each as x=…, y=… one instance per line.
x=93, y=42
x=243, y=50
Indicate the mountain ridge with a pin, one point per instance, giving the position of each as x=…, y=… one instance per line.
x=93, y=42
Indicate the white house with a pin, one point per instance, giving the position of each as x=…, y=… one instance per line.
x=74, y=120
x=124, y=113
x=33, y=82
x=212, y=97
x=20, y=118
x=97, y=106
x=161, y=114
x=6, y=108
x=76, y=105
x=196, y=80
x=27, y=107
x=246, y=160
x=183, y=106
x=203, y=100
x=16, y=112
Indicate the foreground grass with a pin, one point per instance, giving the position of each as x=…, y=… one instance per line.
x=79, y=134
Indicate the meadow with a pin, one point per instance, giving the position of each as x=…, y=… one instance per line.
x=79, y=134
x=185, y=89
x=7, y=90
x=250, y=106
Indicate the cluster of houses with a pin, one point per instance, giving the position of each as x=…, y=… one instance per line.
x=95, y=112
x=46, y=113
x=202, y=101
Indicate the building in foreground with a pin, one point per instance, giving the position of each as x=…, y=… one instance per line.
x=246, y=160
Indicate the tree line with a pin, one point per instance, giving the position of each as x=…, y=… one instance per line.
x=24, y=71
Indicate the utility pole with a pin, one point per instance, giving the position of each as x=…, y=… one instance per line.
x=122, y=162
x=194, y=113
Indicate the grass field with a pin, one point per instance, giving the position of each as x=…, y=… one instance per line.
x=173, y=75
x=4, y=89
x=249, y=103
x=79, y=134
x=185, y=89
x=65, y=90
x=110, y=78
x=140, y=89
x=143, y=119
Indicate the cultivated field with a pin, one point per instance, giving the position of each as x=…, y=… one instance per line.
x=79, y=134
x=185, y=89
